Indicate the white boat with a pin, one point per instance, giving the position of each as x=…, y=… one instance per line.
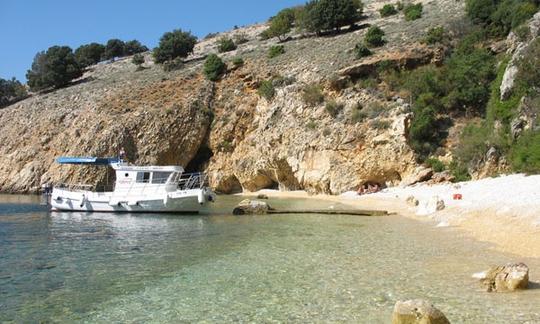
x=159, y=189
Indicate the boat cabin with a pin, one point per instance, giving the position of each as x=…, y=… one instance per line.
x=146, y=178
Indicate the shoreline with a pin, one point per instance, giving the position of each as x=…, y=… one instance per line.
x=504, y=211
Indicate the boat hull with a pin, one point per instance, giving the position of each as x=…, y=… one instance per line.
x=184, y=201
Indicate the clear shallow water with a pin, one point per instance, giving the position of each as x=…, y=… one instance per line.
x=105, y=268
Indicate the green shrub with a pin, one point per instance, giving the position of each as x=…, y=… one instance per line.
x=226, y=45
x=388, y=10
x=114, y=48
x=137, y=59
x=435, y=164
x=374, y=37
x=214, y=67
x=525, y=154
x=321, y=15
x=54, y=68
x=89, y=54
x=379, y=124
x=312, y=94
x=173, y=65
x=498, y=17
x=459, y=171
x=240, y=38
x=238, y=61
x=333, y=108
x=357, y=114
x=174, y=44
x=434, y=35
x=11, y=91
x=423, y=132
x=281, y=24
x=276, y=50
x=413, y=11
x=133, y=47
x=362, y=50
x=266, y=90
x=311, y=125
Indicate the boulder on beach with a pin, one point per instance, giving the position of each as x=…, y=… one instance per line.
x=419, y=174
x=430, y=206
x=509, y=277
x=262, y=196
x=411, y=201
x=417, y=311
x=248, y=206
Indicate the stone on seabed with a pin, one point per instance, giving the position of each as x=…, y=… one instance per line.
x=510, y=277
x=417, y=311
x=247, y=206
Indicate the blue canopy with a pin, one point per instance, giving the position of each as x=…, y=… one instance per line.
x=87, y=160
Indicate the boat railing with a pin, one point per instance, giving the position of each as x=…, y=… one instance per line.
x=193, y=181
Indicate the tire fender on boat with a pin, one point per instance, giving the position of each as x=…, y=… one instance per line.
x=201, y=197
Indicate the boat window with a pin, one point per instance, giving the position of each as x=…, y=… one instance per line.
x=143, y=177
x=160, y=177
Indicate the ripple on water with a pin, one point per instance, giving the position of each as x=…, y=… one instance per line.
x=285, y=268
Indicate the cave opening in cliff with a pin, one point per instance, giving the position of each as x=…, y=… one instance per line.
x=272, y=185
x=200, y=160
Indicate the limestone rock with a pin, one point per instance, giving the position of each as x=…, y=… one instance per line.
x=442, y=177
x=419, y=174
x=417, y=311
x=411, y=201
x=262, y=196
x=249, y=207
x=510, y=277
x=431, y=206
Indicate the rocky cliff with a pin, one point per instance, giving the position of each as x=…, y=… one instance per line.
x=244, y=141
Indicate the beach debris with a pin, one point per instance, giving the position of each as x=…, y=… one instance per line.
x=457, y=196
x=417, y=311
x=419, y=174
x=262, y=196
x=509, y=277
x=411, y=201
x=248, y=206
x=434, y=204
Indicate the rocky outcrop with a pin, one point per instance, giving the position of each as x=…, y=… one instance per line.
x=417, y=311
x=517, y=48
x=510, y=277
x=251, y=207
x=419, y=174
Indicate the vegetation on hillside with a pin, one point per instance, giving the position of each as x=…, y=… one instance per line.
x=214, y=67
x=11, y=91
x=54, y=68
x=174, y=44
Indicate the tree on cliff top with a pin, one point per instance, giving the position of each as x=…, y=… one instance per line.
x=89, y=54
x=321, y=15
x=54, y=68
x=114, y=48
x=133, y=47
x=11, y=91
x=174, y=44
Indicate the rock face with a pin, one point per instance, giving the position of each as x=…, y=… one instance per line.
x=417, y=311
x=419, y=174
x=242, y=140
x=510, y=277
x=251, y=207
x=517, y=48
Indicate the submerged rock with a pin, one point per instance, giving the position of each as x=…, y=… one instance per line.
x=262, y=196
x=510, y=277
x=417, y=311
x=248, y=206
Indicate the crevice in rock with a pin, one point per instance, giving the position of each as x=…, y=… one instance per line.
x=200, y=161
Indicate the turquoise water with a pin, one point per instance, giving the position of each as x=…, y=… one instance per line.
x=76, y=267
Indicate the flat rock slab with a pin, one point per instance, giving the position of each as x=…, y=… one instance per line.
x=417, y=311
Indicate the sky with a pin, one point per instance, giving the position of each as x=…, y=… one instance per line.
x=30, y=26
